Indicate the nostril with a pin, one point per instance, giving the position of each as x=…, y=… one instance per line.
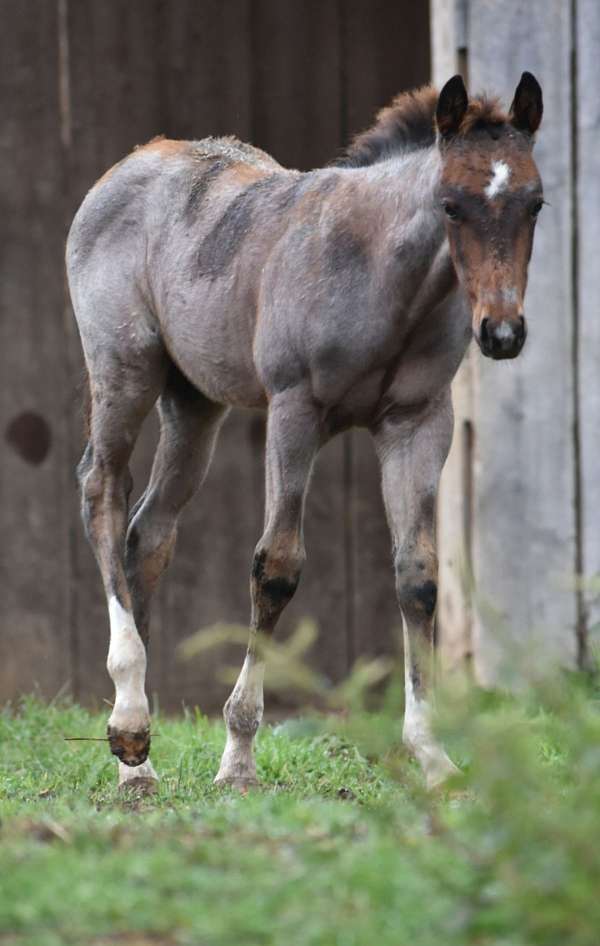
x=484, y=331
x=521, y=330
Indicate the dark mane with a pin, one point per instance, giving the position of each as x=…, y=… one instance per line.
x=408, y=124
x=404, y=125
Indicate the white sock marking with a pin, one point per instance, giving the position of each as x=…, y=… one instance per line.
x=126, y=665
x=249, y=686
x=237, y=761
x=416, y=731
x=499, y=180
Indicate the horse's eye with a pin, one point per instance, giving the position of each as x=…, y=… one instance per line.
x=536, y=208
x=451, y=210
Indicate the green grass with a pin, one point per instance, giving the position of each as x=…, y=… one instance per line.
x=341, y=848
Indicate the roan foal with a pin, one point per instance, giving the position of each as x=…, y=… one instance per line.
x=206, y=276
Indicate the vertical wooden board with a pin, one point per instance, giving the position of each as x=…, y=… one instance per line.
x=386, y=51
x=524, y=524
x=114, y=104
x=208, y=581
x=444, y=39
x=454, y=505
x=588, y=239
x=115, y=81
x=34, y=515
x=206, y=66
x=297, y=93
x=376, y=621
x=323, y=591
x=454, y=528
x=205, y=55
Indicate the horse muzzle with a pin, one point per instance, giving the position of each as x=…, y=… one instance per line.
x=502, y=338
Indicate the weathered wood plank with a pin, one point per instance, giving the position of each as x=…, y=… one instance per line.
x=444, y=39
x=387, y=50
x=205, y=68
x=587, y=129
x=455, y=526
x=376, y=621
x=297, y=94
x=208, y=580
x=524, y=484
x=34, y=484
x=454, y=516
x=323, y=591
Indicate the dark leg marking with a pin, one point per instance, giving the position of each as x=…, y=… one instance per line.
x=270, y=593
x=426, y=595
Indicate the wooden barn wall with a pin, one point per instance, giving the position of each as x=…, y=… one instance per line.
x=586, y=298
x=82, y=83
x=36, y=477
x=520, y=495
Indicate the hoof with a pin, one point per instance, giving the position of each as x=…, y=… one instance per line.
x=139, y=787
x=240, y=783
x=437, y=776
x=130, y=748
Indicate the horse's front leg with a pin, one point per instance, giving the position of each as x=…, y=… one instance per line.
x=412, y=451
x=292, y=442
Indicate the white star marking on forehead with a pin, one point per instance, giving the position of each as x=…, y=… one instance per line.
x=499, y=180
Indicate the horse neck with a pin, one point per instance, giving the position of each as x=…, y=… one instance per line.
x=408, y=182
x=401, y=198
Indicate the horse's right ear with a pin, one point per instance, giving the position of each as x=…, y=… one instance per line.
x=451, y=107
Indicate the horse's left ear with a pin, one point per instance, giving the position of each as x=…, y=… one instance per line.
x=527, y=107
x=451, y=107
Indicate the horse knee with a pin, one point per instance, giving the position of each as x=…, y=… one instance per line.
x=274, y=581
x=416, y=586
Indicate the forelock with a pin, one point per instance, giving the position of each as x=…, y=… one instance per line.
x=484, y=113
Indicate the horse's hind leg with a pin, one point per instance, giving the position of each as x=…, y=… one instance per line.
x=292, y=443
x=189, y=427
x=123, y=389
